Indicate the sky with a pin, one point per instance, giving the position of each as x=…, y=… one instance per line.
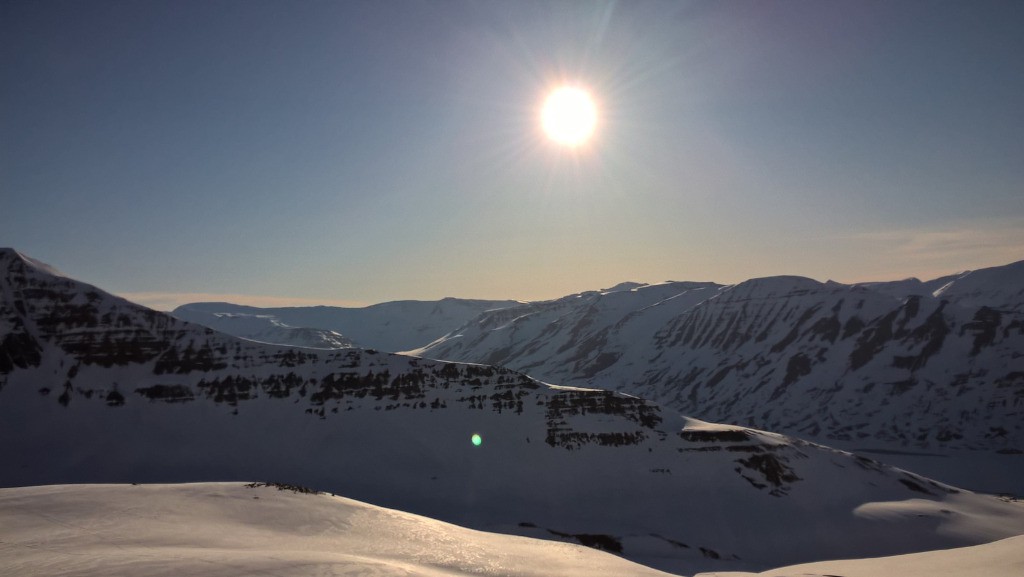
x=348, y=152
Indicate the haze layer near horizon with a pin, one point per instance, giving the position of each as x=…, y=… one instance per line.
x=364, y=152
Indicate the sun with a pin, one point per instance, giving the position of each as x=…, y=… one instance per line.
x=569, y=116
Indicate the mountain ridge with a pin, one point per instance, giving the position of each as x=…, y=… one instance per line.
x=786, y=353
x=101, y=390
x=390, y=326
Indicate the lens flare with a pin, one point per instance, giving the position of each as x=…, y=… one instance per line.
x=476, y=439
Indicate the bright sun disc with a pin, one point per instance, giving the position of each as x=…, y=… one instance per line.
x=569, y=116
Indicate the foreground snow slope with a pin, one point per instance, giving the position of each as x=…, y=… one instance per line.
x=222, y=529
x=1000, y=559
x=96, y=389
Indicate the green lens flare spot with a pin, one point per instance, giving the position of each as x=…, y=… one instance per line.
x=477, y=440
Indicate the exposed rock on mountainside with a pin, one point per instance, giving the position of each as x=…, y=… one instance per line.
x=97, y=389
x=885, y=363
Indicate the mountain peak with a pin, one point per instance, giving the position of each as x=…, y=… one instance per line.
x=110, y=391
x=10, y=258
x=774, y=287
x=999, y=287
x=623, y=286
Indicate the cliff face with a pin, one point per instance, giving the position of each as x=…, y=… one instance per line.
x=66, y=332
x=97, y=389
x=891, y=364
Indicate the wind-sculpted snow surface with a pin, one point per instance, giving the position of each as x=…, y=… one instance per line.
x=96, y=389
x=1003, y=558
x=260, y=528
x=218, y=529
x=886, y=364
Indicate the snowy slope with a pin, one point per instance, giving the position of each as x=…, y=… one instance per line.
x=1003, y=558
x=96, y=389
x=391, y=326
x=888, y=365
x=219, y=529
x=1000, y=288
x=265, y=328
x=214, y=529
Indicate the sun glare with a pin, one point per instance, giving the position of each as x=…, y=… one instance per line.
x=569, y=116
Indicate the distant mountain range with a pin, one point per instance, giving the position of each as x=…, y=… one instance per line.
x=905, y=365
x=909, y=364
x=94, y=388
x=265, y=328
x=392, y=326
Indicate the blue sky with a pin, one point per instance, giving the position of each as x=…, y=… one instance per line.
x=344, y=151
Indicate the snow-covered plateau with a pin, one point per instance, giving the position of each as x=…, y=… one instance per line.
x=95, y=389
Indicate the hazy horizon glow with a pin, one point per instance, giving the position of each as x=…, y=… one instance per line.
x=361, y=152
x=163, y=301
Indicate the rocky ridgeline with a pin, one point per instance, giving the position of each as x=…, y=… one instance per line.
x=82, y=327
x=888, y=363
x=97, y=389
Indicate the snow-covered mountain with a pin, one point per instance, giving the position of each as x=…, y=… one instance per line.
x=214, y=529
x=906, y=365
x=391, y=326
x=96, y=389
x=266, y=328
